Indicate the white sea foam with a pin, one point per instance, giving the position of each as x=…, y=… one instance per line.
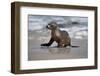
x=37, y=23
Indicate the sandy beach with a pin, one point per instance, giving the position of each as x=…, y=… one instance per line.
x=36, y=52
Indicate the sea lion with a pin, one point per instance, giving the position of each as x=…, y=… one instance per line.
x=62, y=38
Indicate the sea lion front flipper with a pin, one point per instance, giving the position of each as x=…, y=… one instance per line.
x=49, y=43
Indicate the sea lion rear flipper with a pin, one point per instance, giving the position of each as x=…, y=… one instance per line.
x=74, y=46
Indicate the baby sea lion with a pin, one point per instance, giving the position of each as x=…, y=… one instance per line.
x=62, y=38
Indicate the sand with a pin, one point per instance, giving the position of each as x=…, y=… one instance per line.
x=36, y=52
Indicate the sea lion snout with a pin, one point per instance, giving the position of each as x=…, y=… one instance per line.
x=48, y=27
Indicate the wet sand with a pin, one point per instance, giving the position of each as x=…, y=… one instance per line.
x=36, y=52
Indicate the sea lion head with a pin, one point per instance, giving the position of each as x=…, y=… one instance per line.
x=52, y=25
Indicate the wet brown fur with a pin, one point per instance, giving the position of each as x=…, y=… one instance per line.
x=62, y=38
